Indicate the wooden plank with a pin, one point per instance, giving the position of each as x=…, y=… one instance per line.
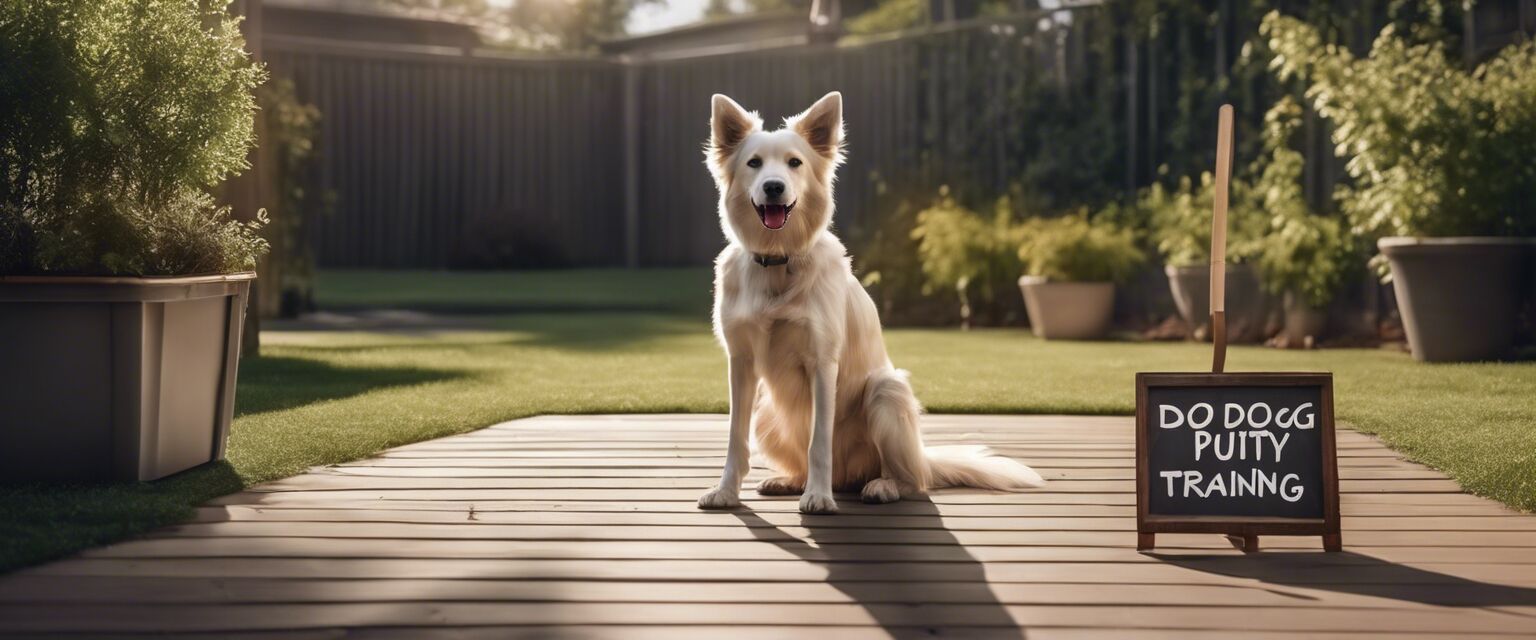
x=780, y=505
x=156, y=590
x=162, y=618
x=830, y=535
x=785, y=518
x=1211, y=548
x=689, y=495
x=343, y=482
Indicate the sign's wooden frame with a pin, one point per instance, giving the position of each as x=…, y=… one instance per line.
x=1245, y=528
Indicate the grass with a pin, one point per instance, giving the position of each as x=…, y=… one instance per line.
x=323, y=397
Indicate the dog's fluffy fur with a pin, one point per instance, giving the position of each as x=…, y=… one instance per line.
x=808, y=369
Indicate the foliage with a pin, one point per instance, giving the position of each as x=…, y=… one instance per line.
x=1181, y=221
x=566, y=25
x=1433, y=150
x=1074, y=249
x=959, y=248
x=291, y=129
x=1304, y=252
x=116, y=117
x=889, y=15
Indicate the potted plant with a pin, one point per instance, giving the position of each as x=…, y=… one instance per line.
x=1181, y=223
x=122, y=284
x=1440, y=161
x=1071, y=268
x=1305, y=255
x=959, y=248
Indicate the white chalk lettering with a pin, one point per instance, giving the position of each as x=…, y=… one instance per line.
x=1210, y=414
x=1202, y=440
x=1169, y=476
x=1164, y=410
x=1253, y=413
x=1233, y=423
x=1191, y=479
x=1290, y=487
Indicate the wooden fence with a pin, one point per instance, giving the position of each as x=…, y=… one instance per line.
x=444, y=158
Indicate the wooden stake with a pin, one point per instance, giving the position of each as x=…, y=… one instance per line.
x=1219, y=239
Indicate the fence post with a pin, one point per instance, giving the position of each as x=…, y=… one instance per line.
x=631, y=71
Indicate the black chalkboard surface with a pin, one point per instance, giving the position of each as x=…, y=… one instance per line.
x=1241, y=454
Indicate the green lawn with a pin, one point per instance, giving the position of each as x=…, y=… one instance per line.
x=319, y=397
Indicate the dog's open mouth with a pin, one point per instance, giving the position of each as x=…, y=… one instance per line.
x=774, y=216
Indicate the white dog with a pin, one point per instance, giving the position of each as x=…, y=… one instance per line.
x=808, y=369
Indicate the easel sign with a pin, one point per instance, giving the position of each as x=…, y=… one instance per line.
x=1241, y=454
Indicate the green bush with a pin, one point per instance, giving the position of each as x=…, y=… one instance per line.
x=1181, y=221
x=1304, y=252
x=960, y=249
x=1433, y=150
x=1074, y=249
x=116, y=118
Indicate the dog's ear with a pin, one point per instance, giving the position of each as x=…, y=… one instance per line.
x=822, y=126
x=729, y=124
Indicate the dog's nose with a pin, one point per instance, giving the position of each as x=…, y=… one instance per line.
x=773, y=188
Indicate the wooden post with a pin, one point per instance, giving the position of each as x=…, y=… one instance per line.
x=248, y=192
x=631, y=73
x=1219, y=240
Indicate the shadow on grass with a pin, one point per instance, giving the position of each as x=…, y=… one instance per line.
x=269, y=383
x=42, y=522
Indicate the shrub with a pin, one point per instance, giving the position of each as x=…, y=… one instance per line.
x=1433, y=150
x=116, y=117
x=1304, y=252
x=961, y=250
x=1073, y=249
x=1181, y=221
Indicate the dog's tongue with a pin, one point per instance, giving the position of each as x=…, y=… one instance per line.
x=775, y=215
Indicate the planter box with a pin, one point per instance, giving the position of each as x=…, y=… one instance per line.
x=1460, y=298
x=1068, y=310
x=116, y=378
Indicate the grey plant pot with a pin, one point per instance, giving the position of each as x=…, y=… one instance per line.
x=1459, y=297
x=1191, y=287
x=1068, y=310
x=116, y=378
x=1302, y=321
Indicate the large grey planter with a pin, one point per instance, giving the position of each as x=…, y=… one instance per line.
x=1459, y=297
x=1068, y=310
x=1191, y=287
x=116, y=378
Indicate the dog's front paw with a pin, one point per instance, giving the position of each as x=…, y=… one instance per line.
x=881, y=491
x=817, y=502
x=720, y=498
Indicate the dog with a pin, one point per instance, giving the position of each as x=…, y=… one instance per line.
x=808, y=371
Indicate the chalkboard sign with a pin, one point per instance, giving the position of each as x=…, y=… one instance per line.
x=1240, y=454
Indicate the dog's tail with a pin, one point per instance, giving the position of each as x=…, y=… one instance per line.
x=975, y=466
x=893, y=420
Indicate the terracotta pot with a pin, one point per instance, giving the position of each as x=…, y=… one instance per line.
x=1191, y=288
x=117, y=378
x=1068, y=310
x=1459, y=297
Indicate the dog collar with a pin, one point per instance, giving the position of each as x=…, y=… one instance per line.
x=767, y=260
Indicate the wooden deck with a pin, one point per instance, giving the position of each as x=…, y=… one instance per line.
x=586, y=526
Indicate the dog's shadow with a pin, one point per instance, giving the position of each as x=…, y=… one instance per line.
x=911, y=579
